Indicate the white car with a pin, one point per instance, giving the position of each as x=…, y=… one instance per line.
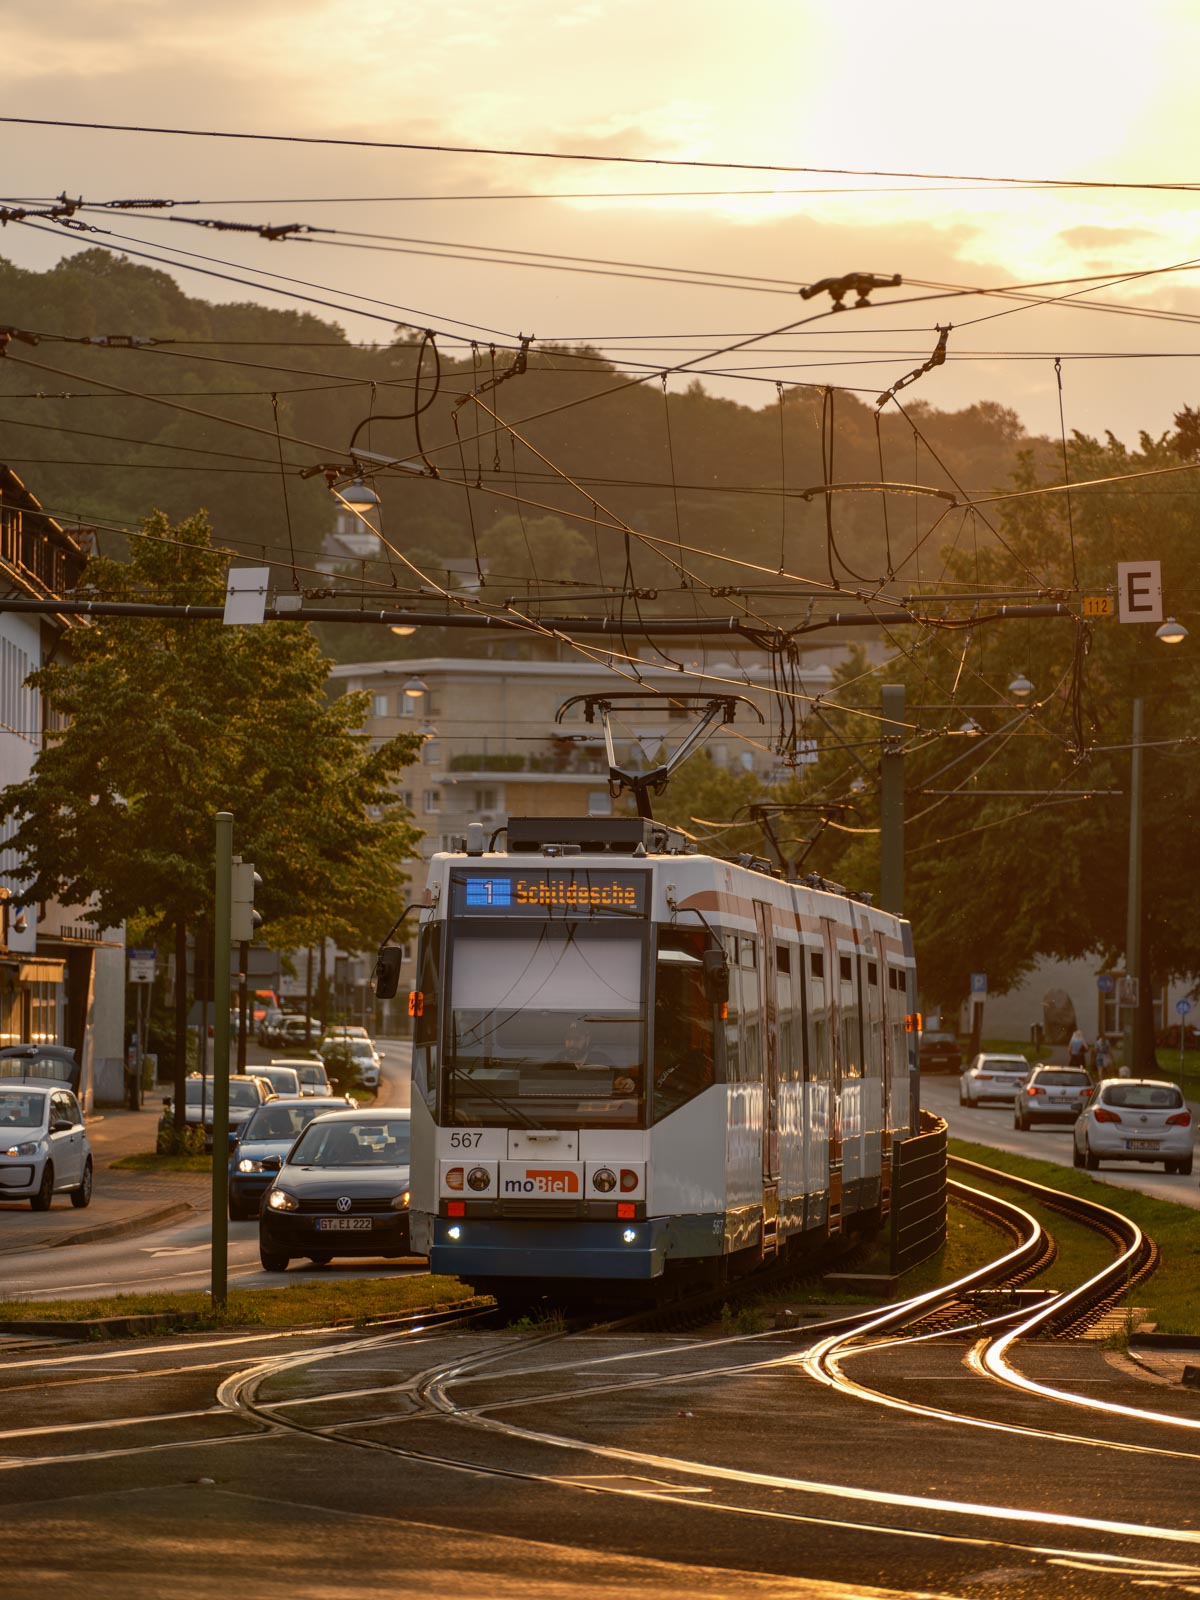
x=312, y=1075
x=992, y=1077
x=1136, y=1119
x=246, y=1094
x=44, y=1147
x=364, y=1058
x=284, y=1080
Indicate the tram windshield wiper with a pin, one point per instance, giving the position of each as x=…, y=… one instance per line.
x=476, y=1083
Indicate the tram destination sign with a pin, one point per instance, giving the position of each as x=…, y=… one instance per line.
x=548, y=891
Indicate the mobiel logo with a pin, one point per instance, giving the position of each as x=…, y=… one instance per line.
x=548, y=1181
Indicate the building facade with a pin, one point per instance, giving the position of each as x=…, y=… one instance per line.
x=62, y=975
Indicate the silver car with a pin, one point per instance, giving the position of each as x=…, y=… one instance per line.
x=1051, y=1094
x=44, y=1147
x=1136, y=1119
x=992, y=1077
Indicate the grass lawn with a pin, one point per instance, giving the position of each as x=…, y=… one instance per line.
x=1173, y=1292
x=148, y=1161
x=352, y=1302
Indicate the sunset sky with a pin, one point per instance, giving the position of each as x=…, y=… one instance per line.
x=1049, y=90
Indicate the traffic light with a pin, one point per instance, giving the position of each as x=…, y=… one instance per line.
x=243, y=919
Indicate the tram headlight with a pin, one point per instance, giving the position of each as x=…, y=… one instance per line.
x=630, y=1236
x=400, y=1203
x=629, y=1180
x=454, y=1233
x=605, y=1180
x=479, y=1178
x=454, y=1178
x=281, y=1200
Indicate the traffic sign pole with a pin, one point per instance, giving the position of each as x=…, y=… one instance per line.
x=220, y=1067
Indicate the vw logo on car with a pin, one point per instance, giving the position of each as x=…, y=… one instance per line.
x=343, y=1203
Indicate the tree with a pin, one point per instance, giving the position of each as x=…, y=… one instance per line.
x=163, y=723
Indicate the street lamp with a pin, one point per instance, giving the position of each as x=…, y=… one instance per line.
x=359, y=495
x=1020, y=687
x=403, y=628
x=1170, y=632
x=415, y=690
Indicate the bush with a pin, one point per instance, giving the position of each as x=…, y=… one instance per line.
x=185, y=1141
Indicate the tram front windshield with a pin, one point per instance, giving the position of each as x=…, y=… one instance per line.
x=545, y=1028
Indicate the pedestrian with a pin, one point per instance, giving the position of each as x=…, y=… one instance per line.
x=1102, y=1056
x=1077, y=1049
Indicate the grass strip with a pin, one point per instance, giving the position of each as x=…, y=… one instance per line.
x=1173, y=1292
x=148, y=1161
x=352, y=1301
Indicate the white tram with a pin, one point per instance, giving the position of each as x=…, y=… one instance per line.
x=633, y=1062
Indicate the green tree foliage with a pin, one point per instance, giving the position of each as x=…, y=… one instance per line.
x=155, y=726
x=1027, y=855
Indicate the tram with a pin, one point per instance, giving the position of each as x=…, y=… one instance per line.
x=636, y=1064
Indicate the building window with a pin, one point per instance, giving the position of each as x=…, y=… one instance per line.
x=379, y=705
x=432, y=802
x=406, y=799
x=599, y=803
x=407, y=706
x=485, y=800
x=431, y=752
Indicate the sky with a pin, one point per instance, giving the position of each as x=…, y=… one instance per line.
x=1050, y=90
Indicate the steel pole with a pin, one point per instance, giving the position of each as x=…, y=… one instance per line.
x=1133, y=909
x=891, y=801
x=223, y=903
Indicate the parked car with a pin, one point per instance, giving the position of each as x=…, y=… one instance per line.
x=992, y=1077
x=343, y=1190
x=285, y=1081
x=246, y=1094
x=269, y=1020
x=52, y=1063
x=1051, y=1094
x=294, y=1030
x=364, y=1058
x=311, y=1072
x=939, y=1052
x=1136, y=1119
x=44, y=1147
x=261, y=1144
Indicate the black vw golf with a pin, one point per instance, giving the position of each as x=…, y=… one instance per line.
x=342, y=1191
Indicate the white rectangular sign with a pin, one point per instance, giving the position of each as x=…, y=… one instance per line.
x=1139, y=591
x=246, y=594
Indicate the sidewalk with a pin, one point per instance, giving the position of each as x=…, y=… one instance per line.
x=122, y=1202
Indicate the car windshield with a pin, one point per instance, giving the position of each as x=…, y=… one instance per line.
x=282, y=1121
x=240, y=1094
x=282, y=1079
x=1063, y=1080
x=353, y=1144
x=313, y=1074
x=21, y=1109
x=361, y=1047
x=938, y=1038
x=1144, y=1096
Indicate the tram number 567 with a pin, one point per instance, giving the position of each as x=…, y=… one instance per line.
x=465, y=1141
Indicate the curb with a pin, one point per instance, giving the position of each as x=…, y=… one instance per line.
x=106, y=1230
x=126, y=1225
x=100, y=1327
x=1164, y=1341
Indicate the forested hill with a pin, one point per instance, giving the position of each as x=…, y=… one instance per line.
x=104, y=433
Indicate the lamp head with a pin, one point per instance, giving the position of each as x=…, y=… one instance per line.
x=1171, y=632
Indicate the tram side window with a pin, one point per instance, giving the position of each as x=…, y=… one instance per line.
x=820, y=1067
x=791, y=1063
x=425, y=1014
x=684, y=1036
x=733, y=1015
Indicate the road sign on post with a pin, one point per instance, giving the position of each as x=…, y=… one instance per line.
x=243, y=919
x=1139, y=591
x=142, y=965
x=1105, y=982
x=978, y=986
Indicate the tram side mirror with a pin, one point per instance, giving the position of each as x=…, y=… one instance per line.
x=716, y=977
x=386, y=978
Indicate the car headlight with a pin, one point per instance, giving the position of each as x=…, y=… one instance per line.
x=281, y=1200
x=246, y=1165
x=30, y=1148
x=400, y=1203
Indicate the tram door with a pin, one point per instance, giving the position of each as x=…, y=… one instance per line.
x=829, y=931
x=769, y=1010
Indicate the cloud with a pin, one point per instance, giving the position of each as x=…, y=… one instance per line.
x=1090, y=238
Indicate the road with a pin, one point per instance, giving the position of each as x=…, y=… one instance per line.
x=993, y=1125
x=174, y=1257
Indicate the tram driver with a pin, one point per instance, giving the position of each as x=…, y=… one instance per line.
x=577, y=1050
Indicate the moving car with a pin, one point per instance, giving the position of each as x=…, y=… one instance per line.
x=246, y=1094
x=992, y=1077
x=1051, y=1094
x=294, y=1030
x=261, y=1144
x=342, y=1191
x=938, y=1051
x=313, y=1077
x=1136, y=1119
x=44, y=1147
x=364, y=1058
x=271, y=1018
x=285, y=1081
